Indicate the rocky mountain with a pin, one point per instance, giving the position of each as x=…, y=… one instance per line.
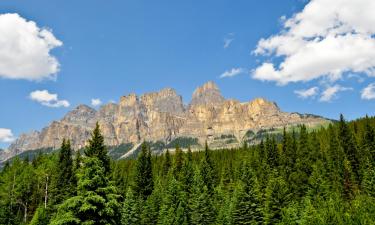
x=162, y=117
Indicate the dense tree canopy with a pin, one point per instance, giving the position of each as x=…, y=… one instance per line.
x=321, y=176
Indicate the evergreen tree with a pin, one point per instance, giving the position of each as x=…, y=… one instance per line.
x=178, y=162
x=201, y=209
x=143, y=178
x=40, y=217
x=348, y=143
x=208, y=171
x=131, y=209
x=167, y=163
x=96, y=148
x=173, y=210
x=65, y=181
x=96, y=202
x=247, y=207
x=277, y=197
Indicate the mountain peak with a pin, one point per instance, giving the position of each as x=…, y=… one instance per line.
x=80, y=114
x=208, y=93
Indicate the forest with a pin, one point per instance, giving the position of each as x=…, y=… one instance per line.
x=324, y=176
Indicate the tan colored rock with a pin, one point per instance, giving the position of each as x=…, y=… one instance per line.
x=161, y=116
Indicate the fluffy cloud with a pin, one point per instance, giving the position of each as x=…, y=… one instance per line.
x=331, y=92
x=25, y=49
x=233, y=72
x=325, y=40
x=368, y=93
x=307, y=93
x=47, y=99
x=6, y=135
x=96, y=102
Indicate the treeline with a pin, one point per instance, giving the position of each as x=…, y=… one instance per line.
x=318, y=177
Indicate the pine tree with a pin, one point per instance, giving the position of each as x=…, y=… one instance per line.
x=349, y=146
x=143, y=178
x=96, y=202
x=208, y=171
x=173, y=210
x=368, y=181
x=277, y=197
x=178, y=162
x=368, y=144
x=66, y=181
x=166, y=163
x=96, y=148
x=187, y=173
x=97, y=199
x=130, y=213
x=247, y=207
x=151, y=208
x=202, y=211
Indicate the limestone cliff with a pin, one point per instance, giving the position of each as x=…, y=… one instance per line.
x=162, y=116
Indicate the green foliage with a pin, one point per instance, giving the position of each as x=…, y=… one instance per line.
x=96, y=201
x=143, y=177
x=296, y=176
x=96, y=148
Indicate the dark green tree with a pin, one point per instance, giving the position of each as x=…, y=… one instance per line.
x=131, y=210
x=247, y=206
x=143, y=177
x=202, y=211
x=66, y=180
x=96, y=148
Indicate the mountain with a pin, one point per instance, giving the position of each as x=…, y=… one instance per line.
x=162, y=117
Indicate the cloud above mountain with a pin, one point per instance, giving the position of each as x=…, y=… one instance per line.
x=6, y=135
x=96, y=102
x=326, y=40
x=233, y=72
x=48, y=99
x=25, y=49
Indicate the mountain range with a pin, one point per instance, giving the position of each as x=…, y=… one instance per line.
x=161, y=117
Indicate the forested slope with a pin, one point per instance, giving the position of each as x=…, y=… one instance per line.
x=318, y=177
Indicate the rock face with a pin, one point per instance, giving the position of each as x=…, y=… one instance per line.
x=162, y=116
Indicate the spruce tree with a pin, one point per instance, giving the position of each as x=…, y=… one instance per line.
x=166, y=163
x=348, y=143
x=277, y=197
x=66, y=180
x=208, y=171
x=247, y=206
x=96, y=201
x=143, y=178
x=202, y=211
x=96, y=148
x=178, y=162
x=130, y=213
x=174, y=206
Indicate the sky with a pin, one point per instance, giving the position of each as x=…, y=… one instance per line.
x=314, y=56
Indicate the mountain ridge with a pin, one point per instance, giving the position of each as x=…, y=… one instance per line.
x=162, y=116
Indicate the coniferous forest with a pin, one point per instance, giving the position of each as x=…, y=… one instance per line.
x=324, y=176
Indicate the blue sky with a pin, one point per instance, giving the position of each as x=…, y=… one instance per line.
x=112, y=48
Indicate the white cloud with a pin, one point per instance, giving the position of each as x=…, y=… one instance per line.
x=368, y=93
x=228, y=40
x=325, y=40
x=47, y=99
x=96, y=102
x=307, y=93
x=6, y=135
x=331, y=92
x=25, y=49
x=233, y=72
